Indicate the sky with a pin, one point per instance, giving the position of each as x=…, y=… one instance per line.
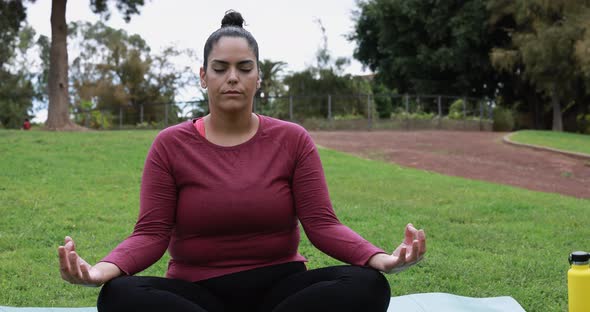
x=285, y=30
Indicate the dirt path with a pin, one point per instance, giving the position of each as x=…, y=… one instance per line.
x=474, y=155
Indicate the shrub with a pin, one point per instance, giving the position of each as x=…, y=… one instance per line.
x=143, y=125
x=101, y=119
x=413, y=116
x=583, y=121
x=456, y=109
x=383, y=103
x=503, y=119
x=349, y=117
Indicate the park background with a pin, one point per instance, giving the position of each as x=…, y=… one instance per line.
x=514, y=64
x=470, y=65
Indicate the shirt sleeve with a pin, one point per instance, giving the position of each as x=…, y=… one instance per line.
x=316, y=214
x=151, y=234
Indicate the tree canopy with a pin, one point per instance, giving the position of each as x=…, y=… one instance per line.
x=544, y=39
x=16, y=89
x=117, y=71
x=326, y=78
x=59, y=102
x=531, y=56
x=428, y=47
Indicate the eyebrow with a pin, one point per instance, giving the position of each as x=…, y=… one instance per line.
x=244, y=62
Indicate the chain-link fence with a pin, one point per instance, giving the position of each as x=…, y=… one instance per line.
x=363, y=111
x=139, y=116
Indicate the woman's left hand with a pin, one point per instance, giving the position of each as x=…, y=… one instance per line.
x=408, y=253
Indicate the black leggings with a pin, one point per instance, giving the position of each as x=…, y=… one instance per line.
x=283, y=287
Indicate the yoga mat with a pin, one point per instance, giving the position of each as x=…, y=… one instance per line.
x=442, y=302
x=427, y=302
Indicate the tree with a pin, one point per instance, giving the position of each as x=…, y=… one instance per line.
x=582, y=46
x=12, y=14
x=16, y=89
x=117, y=72
x=16, y=96
x=58, y=82
x=271, y=85
x=427, y=47
x=44, y=45
x=543, y=46
x=312, y=86
x=270, y=74
x=111, y=68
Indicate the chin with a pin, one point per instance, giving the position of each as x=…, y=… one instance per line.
x=232, y=105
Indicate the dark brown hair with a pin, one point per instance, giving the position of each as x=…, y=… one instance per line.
x=231, y=26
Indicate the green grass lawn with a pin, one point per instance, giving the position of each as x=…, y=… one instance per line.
x=484, y=239
x=572, y=142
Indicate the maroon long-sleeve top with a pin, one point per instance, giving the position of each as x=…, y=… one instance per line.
x=220, y=210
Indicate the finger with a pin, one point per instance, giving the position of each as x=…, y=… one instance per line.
x=402, y=254
x=74, y=265
x=70, y=243
x=64, y=265
x=415, y=250
x=410, y=234
x=397, y=250
x=69, y=246
x=85, y=270
x=422, y=240
x=67, y=239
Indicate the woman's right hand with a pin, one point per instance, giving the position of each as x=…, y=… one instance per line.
x=77, y=271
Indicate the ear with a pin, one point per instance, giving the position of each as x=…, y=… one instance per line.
x=258, y=82
x=203, y=77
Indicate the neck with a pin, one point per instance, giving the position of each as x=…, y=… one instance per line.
x=230, y=124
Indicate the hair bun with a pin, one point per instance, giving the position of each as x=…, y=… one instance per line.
x=232, y=18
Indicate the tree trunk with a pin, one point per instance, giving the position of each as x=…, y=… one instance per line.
x=58, y=114
x=534, y=103
x=557, y=120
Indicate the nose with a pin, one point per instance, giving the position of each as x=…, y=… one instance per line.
x=233, y=76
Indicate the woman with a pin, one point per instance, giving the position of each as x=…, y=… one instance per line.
x=224, y=195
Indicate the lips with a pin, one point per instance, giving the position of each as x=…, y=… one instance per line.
x=232, y=92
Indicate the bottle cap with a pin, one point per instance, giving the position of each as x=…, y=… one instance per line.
x=579, y=257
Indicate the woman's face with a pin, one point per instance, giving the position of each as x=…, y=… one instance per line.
x=232, y=76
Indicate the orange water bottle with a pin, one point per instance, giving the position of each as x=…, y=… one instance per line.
x=578, y=282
